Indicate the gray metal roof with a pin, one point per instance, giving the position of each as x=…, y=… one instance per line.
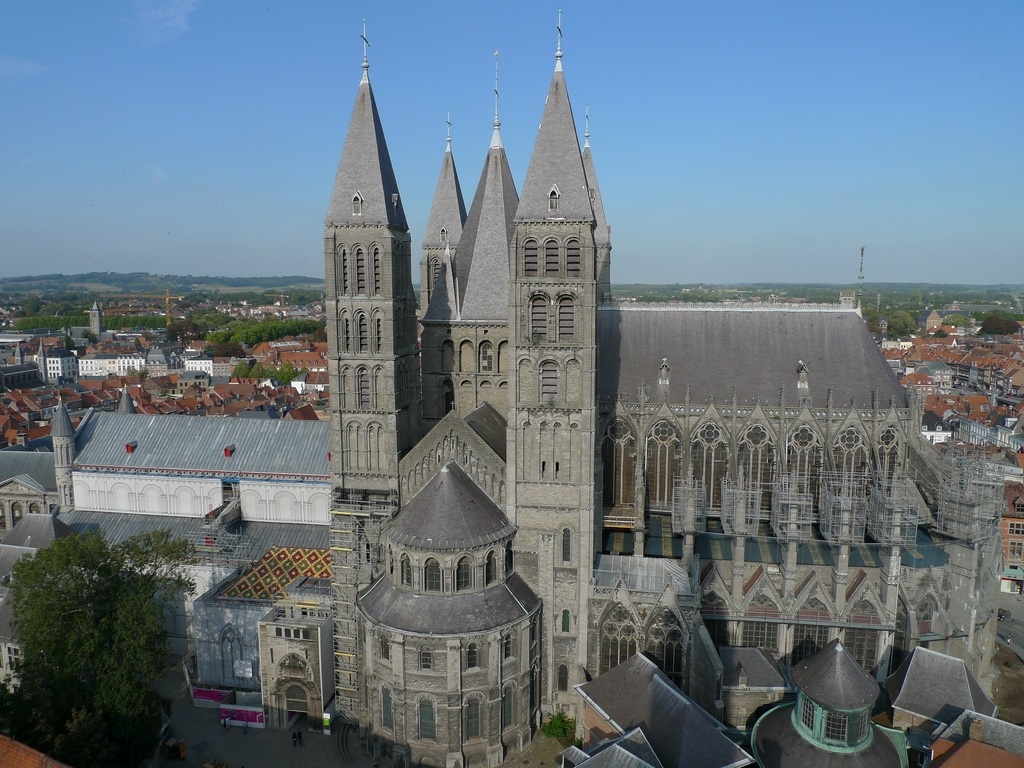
x=458, y=614
x=448, y=209
x=638, y=694
x=365, y=168
x=262, y=447
x=36, y=465
x=936, y=686
x=450, y=512
x=37, y=531
x=602, y=232
x=490, y=425
x=642, y=574
x=761, y=669
x=833, y=679
x=756, y=353
x=482, y=260
x=556, y=162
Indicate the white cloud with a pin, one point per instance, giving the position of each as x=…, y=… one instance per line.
x=14, y=67
x=163, y=20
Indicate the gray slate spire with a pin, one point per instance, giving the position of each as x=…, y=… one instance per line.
x=125, y=404
x=448, y=210
x=556, y=163
x=60, y=425
x=602, y=232
x=365, y=170
x=444, y=300
x=483, y=271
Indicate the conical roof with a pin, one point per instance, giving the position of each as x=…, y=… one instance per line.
x=602, y=232
x=556, y=163
x=125, y=404
x=483, y=272
x=450, y=512
x=444, y=299
x=448, y=211
x=365, y=170
x=833, y=679
x=60, y=425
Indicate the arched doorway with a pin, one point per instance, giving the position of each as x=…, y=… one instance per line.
x=295, y=699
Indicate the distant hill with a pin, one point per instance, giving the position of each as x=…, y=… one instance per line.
x=144, y=282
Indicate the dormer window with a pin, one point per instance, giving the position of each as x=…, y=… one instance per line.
x=357, y=204
x=444, y=234
x=553, y=196
x=130, y=447
x=229, y=451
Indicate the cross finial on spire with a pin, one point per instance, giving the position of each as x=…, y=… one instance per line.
x=366, y=44
x=496, y=136
x=448, y=122
x=558, y=51
x=586, y=123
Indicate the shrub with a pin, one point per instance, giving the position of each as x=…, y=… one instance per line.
x=560, y=726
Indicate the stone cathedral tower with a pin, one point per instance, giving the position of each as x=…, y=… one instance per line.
x=552, y=410
x=374, y=367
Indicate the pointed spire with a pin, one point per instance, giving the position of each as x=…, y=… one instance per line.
x=448, y=210
x=602, y=232
x=365, y=190
x=125, y=404
x=60, y=425
x=496, y=136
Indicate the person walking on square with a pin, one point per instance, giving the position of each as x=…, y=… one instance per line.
x=295, y=739
x=299, y=734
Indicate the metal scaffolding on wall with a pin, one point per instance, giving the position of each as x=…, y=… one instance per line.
x=741, y=507
x=843, y=507
x=792, y=517
x=689, y=505
x=967, y=504
x=893, y=513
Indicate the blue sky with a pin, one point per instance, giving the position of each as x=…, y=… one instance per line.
x=734, y=141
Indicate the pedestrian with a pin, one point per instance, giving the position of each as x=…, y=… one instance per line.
x=295, y=739
x=299, y=732
x=245, y=727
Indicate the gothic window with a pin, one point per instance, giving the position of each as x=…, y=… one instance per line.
x=406, y=569
x=531, y=258
x=618, y=454
x=709, y=457
x=804, y=459
x=444, y=234
x=566, y=545
x=665, y=644
x=486, y=357
x=473, y=719
x=426, y=658
x=374, y=452
x=553, y=199
x=472, y=656
x=863, y=646
x=618, y=638
x=551, y=258
x=565, y=621
x=572, y=258
x=808, y=639
x=888, y=455
x=428, y=729
x=490, y=568
x=387, y=716
x=463, y=574
x=851, y=456
x=360, y=271
x=357, y=204
x=548, y=380
x=756, y=459
x=376, y=271
x=566, y=319
x=231, y=651
x=432, y=576
x=563, y=677
x=539, y=318
x=663, y=464
x=507, y=707
x=344, y=270
x=760, y=634
x=363, y=388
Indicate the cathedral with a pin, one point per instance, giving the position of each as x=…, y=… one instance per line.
x=531, y=483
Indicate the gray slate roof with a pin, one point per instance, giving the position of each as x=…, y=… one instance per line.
x=448, y=209
x=265, y=447
x=38, y=466
x=995, y=732
x=556, y=161
x=638, y=694
x=936, y=686
x=459, y=614
x=60, y=424
x=761, y=668
x=125, y=404
x=37, y=531
x=756, y=351
x=630, y=751
x=444, y=299
x=450, y=512
x=482, y=260
x=490, y=425
x=602, y=232
x=365, y=167
x=833, y=679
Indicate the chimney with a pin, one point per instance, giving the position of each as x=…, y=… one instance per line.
x=977, y=730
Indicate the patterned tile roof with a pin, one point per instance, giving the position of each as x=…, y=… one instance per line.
x=278, y=568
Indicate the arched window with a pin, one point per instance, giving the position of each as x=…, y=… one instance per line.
x=472, y=656
x=572, y=258
x=566, y=545
x=553, y=199
x=463, y=574
x=432, y=576
x=665, y=644
x=709, y=457
x=565, y=620
x=357, y=204
x=618, y=638
x=551, y=258
x=363, y=388
x=473, y=719
x=508, y=559
x=851, y=455
x=362, y=330
x=376, y=271
x=360, y=271
x=490, y=568
x=506, y=646
x=507, y=707
x=563, y=677
x=888, y=455
x=447, y=356
x=566, y=319
x=406, y=571
x=346, y=337
x=426, y=658
x=618, y=454
x=428, y=729
x=387, y=717
x=378, y=341
x=486, y=357
x=343, y=269
x=663, y=464
x=435, y=267
x=531, y=254
x=804, y=459
x=539, y=318
x=548, y=380
x=447, y=396
x=756, y=460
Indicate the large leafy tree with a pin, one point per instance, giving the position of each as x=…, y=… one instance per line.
x=90, y=619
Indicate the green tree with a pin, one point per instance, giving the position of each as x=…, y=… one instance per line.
x=900, y=324
x=999, y=325
x=90, y=620
x=956, y=320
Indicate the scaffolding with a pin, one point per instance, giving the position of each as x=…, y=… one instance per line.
x=689, y=505
x=967, y=504
x=356, y=527
x=893, y=513
x=843, y=507
x=211, y=542
x=792, y=517
x=741, y=507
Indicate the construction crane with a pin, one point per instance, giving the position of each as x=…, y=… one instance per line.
x=166, y=296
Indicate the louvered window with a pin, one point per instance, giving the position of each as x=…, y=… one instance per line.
x=530, y=258
x=360, y=271
x=548, y=380
x=566, y=319
x=572, y=258
x=539, y=318
x=551, y=258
